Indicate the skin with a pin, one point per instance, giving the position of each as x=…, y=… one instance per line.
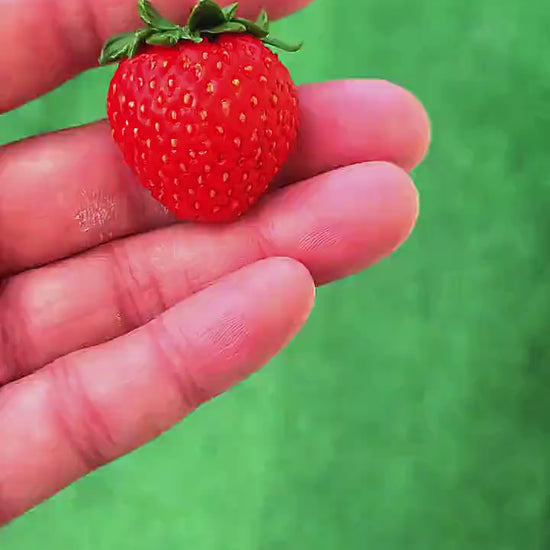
x=115, y=321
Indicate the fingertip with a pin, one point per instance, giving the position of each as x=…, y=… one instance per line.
x=416, y=128
x=242, y=321
x=407, y=132
x=343, y=221
x=344, y=122
x=405, y=200
x=285, y=279
x=284, y=7
x=387, y=192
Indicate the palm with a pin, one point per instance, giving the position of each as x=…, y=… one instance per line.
x=117, y=321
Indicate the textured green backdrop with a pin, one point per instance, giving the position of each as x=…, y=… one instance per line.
x=413, y=412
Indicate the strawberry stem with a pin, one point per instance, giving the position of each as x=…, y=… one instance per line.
x=207, y=19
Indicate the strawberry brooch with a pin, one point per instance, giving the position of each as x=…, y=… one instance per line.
x=204, y=114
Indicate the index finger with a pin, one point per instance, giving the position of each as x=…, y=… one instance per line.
x=56, y=39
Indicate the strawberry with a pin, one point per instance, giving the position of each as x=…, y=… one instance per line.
x=204, y=114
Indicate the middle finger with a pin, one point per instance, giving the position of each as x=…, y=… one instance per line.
x=335, y=224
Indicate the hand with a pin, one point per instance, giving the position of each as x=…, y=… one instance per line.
x=116, y=321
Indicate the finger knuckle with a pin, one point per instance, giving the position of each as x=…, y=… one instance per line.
x=16, y=346
x=176, y=362
x=136, y=289
x=79, y=420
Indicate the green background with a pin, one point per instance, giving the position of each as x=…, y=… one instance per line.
x=413, y=412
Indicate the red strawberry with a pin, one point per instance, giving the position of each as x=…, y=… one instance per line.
x=205, y=114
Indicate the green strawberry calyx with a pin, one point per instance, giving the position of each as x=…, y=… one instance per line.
x=207, y=19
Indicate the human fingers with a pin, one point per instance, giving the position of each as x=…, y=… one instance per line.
x=70, y=191
x=95, y=405
x=56, y=39
x=336, y=224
